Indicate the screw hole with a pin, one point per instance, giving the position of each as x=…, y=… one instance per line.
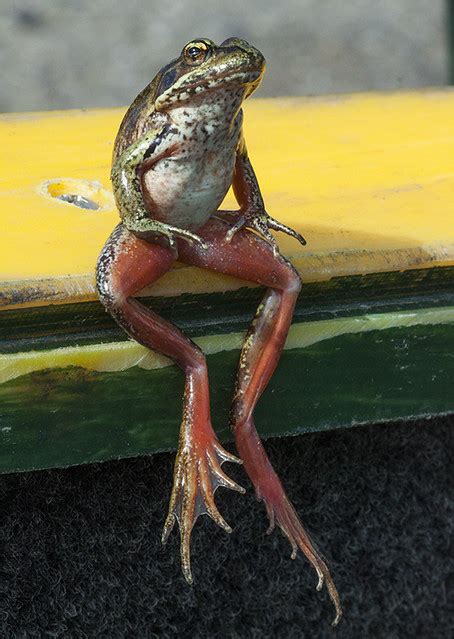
x=84, y=194
x=79, y=200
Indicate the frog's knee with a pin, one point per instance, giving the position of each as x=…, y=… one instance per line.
x=110, y=292
x=196, y=362
x=293, y=282
x=110, y=295
x=109, y=270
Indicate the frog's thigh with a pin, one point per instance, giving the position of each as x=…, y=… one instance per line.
x=247, y=256
x=250, y=257
x=127, y=264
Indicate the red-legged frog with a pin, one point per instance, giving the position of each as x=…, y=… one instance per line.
x=178, y=150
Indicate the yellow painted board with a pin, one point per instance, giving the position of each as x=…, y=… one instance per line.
x=367, y=178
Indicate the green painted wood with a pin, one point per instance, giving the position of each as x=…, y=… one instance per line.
x=72, y=416
x=53, y=326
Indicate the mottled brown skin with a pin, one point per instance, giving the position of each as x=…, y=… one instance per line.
x=179, y=148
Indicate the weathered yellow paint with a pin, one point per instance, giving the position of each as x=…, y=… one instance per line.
x=119, y=356
x=368, y=179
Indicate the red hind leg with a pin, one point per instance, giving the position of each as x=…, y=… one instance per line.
x=249, y=257
x=126, y=265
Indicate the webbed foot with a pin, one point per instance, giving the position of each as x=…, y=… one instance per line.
x=268, y=489
x=260, y=222
x=281, y=512
x=197, y=475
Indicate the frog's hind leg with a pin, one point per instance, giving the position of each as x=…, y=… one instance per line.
x=249, y=257
x=126, y=265
x=259, y=356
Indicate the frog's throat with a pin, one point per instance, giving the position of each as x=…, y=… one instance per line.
x=182, y=91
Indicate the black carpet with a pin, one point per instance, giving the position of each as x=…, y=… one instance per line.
x=82, y=555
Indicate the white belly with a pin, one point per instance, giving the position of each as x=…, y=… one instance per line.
x=187, y=188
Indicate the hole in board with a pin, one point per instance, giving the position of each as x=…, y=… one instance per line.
x=79, y=200
x=84, y=194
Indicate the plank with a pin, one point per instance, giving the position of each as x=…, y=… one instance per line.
x=368, y=180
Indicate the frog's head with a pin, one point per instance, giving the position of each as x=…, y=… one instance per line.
x=205, y=67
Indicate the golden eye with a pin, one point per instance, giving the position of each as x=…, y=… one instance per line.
x=196, y=52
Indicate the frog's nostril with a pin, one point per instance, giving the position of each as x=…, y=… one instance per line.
x=81, y=193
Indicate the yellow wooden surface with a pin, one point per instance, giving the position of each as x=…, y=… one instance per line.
x=368, y=179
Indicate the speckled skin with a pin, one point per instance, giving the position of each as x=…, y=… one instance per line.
x=188, y=187
x=178, y=150
x=175, y=151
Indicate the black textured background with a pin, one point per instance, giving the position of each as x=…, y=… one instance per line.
x=81, y=553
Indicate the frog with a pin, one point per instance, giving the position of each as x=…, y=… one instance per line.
x=179, y=149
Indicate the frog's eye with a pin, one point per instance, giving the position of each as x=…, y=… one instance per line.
x=196, y=52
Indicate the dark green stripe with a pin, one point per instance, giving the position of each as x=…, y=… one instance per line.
x=217, y=313
x=71, y=416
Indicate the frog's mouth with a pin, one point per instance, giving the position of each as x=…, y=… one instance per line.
x=184, y=90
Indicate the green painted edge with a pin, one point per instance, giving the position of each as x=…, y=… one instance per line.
x=217, y=313
x=71, y=416
x=120, y=356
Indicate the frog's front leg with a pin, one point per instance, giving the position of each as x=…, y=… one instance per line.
x=252, y=212
x=127, y=174
x=126, y=265
x=249, y=257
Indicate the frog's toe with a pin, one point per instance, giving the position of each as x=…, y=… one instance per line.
x=278, y=226
x=281, y=512
x=198, y=473
x=239, y=224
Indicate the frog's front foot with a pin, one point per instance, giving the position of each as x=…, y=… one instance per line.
x=260, y=222
x=197, y=474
